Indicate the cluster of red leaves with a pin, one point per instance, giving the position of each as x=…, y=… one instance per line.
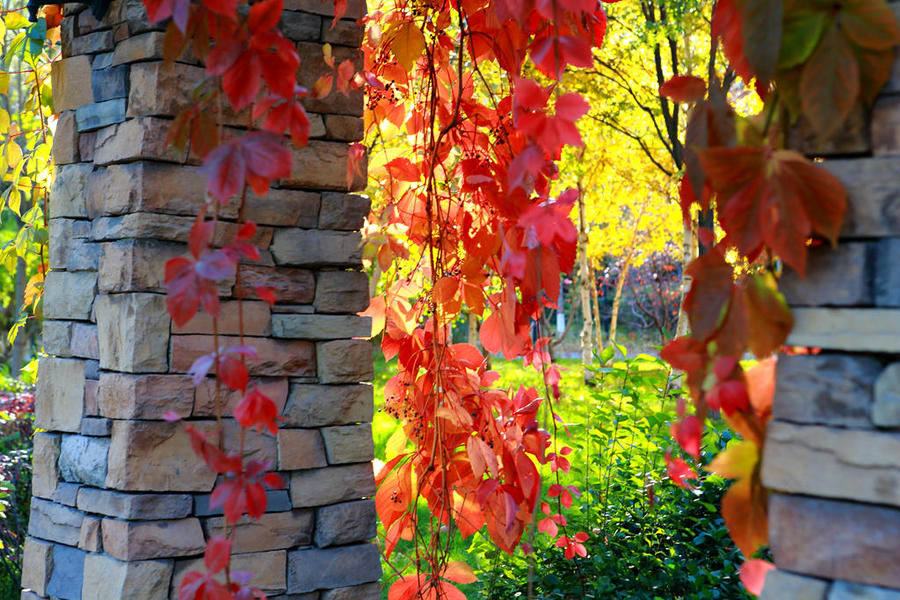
x=474, y=198
x=770, y=202
x=251, y=68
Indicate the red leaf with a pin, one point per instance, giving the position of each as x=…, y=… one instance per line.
x=217, y=555
x=256, y=410
x=679, y=470
x=266, y=155
x=243, y=80
x=683, y=88
x=753, y=574
x=225, y=171
x=340, y=9
x=265, y=15
x=688, y=433
x=265, y=293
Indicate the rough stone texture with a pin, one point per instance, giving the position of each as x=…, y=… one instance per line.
x=83, y=459
x=301, y=449
x=147, y=187
x=67, y=193
x=153, y=456
x=65, y=140
x=287, y=208
x=90, y=539
x=275, y=357
x=314, y=569
x=856, y=330
x=45, y=464
x=269, y=570
x=67, y=493
x=106, y=578
x=343, y=211
x=148, y=397
x=366, y=591
x=271, y=532
x=315, y=248
x=135, y=265
x=887, y=274
x=321, y=327
x=69, y=295
x=873, y=208
x=292, y=286
x=835, y=540
x=134, y=332
x=341, y=292
x=841, y=590
x=37, y=561
x=54, y=522
x=205, y=397
x=134, y=506
x=886, y=408
x=832, y=389
x=142, y=540
x=318, y=487
x=101, y=114
x=68, y=571
x=834, y=277
x=61, y=391
x=68, y=76
x=345, y=523
x=318, y=405
x=256, y=319
x=345, y=361
x=849, y=464
x=134, y=139
x=349, y=444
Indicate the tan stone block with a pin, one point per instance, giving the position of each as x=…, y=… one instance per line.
x=45, y=464
x=341, y=292
x=835, y=540
x=318, y=405
x=135, y=139
x=146, y=46
x=256, y=319
x=349, y=444
x=59, y=402
x=849, y=464
x=315, y=248
x=300, y=449
x=135, y=265
x=318, y=487
x=147, y=397
x=153, y=456
x=205, y=397
x=284, y=208
x=168, y=227
x=37, y=564
x=69, y=295
x=273, y=531
x=269, y=570
x=54, y=522
x=106, y=578
x=345, y=361
x=90, y=535
x=130, y=506
x=69, y=77
x=142, y=540
x=134, y=332
x=276, y=358
x=65, y=139
x=346, y=32
x=153, y=84
x=290, y=285
x=344, y=128
x=86, y=141
x=257, y=446
x=365, y=591
x=853, y=329
x=323, y=165
x=343, y=211
x=355, y=8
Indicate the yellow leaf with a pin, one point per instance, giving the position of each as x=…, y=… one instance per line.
x=4, y=122
x=735, y=462
x=407, y=44
x=396, y=444
x=13, y=154
x=4, y=77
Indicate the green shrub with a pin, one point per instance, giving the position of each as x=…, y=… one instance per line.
x=16, y=431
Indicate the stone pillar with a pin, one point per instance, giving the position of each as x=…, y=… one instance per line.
x=832, y=454
x=121, y=503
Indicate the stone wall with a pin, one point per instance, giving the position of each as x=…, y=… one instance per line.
x=121, y=503
x=832, y=455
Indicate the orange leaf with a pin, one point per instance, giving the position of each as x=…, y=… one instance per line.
x=769, y=317
x=753, y=574
x=744, y=512
x=683, y=88
x=459, y=572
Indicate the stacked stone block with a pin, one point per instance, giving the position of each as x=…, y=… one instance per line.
x=832, y=455
x=121, y=503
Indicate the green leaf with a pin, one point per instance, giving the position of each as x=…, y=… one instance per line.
x=830, y=83
x=869, y=24
x=15, y=49
x=802, y=32
x=607, y=354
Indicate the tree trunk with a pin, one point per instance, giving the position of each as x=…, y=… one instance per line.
x=585, y=275
x=595, y=303
x=688, y=254
x=620, y=285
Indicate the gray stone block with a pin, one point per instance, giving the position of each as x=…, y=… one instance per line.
x=96, y=426
x=886, y=408
x=301, y=27
x=349, y=443
x=321, y=327
x=68, y=573
x=834, y=277
x=781, y=585
x=315, y=248
x=853, y=329
x=134, y=506
x=341, y=292
x=343, y=211
x=83, y=459
x=887, y=273
x=100, y=114
x=67, y=493
x=346, y=361
x=67, y=198
x=54, y=522
x=109, y=84
x=842, y=590
x=310, y=570
x=873, y=207
x=276, y=501
x=69, y=295
x=828, y=389
x=346, y=523
x=318, y=487
x=319, y=405
x=366, y=591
